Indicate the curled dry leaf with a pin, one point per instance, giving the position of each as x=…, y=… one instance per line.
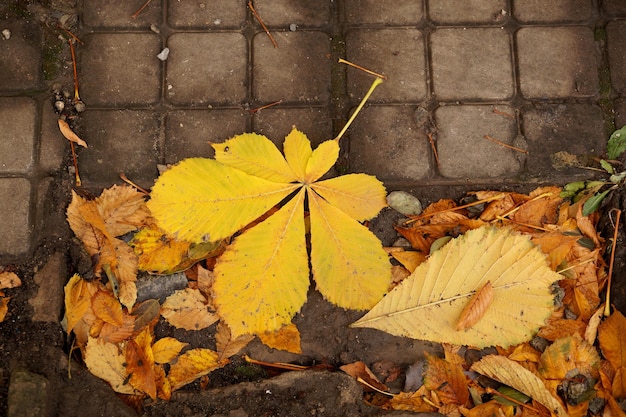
x=476, y=307
x=359, y=370
x=9, y=280
x=69, y=133
x=447, y=380
x=226, y=346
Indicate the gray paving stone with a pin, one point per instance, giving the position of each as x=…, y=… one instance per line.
x=117, y=14
x=276, y=123
x=551, y=128
x=203, y=14
x=616, y=8
x=206, y=68
x=620, y=112
x=396, y=53
x=285, y=12
x=188, y=132
x=30, y=395
x=15, y=220
x=539, y=11
x=616, y=34
x=386, y=12
x=119, y=141
x=20, y=56
x=464, y=153
x=297, y=71
x=557, y=62
x=468, y=11
x=53, y=147
x=18, y=118
x=471, y=63
x=385, y=141
x=120, y=69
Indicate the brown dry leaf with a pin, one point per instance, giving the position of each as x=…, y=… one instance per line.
x=398, y=274
x=496, y=208
x=525, y=353
x=411, y=401
x=205, y=283
x=106, y=361
x=564, y=355
x=613, y=345
x=4, y=307
x=476, y=307
x=78, y=293
x=451, y=354
x=193, y=364
x=557, y=328
x=140, y=367
x=491, y=408
x=188, y=309
x=556, y=245
x=167, y=349
x=9, y=280
x=422, y=237
x=115, y=334
x=69, y=134
x=541, y=209
x=123, y=209
x=587, y=227
x=146, y=313
x=591, y=331
x=164, y=390
x=106, y=307
x=226, y=346
x=447, y=380
x=286, y=338
x=410, y=259
x=516, y=376
x=359, y=370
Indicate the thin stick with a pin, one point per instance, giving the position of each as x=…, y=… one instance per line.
x=367, y=384
x=70, y=34
x=501, y=113
x=607, y=303
x=433, y=147
x=375, y=84
x=138, y=12
x=129, y=182
x=277, y=365
x=76, y=96
x=505, y=145
x=256, y=15
x=265, y=106
x=503, y=218
x=78, y=181
x=586, y=261
x=343, y=61
x=513, y=400
x=475, y=203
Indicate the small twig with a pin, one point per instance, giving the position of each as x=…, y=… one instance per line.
x=607, y=303
x=138, y=12
x=513, y=400
x=78, y=181
x=505, y=145
x=343, y=61
x=475, y=203
x=501, y=113
x=375, y=84
x=129, y=182
x=256, y=15
x=586, y=261
x=70, y=34
x=367, y=384
x=277, y=365
x=433, y=147
x=530, y=226
x=265, y=106
x=76, y=96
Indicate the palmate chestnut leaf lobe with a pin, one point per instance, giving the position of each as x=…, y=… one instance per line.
x=262, y=278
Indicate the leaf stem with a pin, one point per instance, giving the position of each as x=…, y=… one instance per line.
x=375, y=84
x=607, y=303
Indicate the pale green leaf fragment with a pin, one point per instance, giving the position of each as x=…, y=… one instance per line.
x=594, y=202
x=256, y=155
x=350, y=267
x=297, y=148
x=202, y=200
x=360, y=196
x=617, y=143
x=262, y=278
x=322, y=160
x=607, y=166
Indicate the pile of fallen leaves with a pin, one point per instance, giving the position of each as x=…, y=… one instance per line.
x=575, y=365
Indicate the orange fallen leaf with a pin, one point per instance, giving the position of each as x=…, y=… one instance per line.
x=409, y=259
x=359, y=370
x=476, y=307
x=447, y=380
x=193, y=364
x=78, y=293
x=613, y=345
x=9, y=280
x=69, y=134
x=139, y=366
x=4, y=307
x=286, y=338
x=167, y=349
x=411, y=401
x=108, y=308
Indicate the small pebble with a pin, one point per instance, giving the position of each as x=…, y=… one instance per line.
x=404, y=203
x=154, y=28
x=59, y=105
x=6, y=34
x=80, y=106
x=293, y=27
x=164, y=54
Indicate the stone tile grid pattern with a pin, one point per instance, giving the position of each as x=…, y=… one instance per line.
x=456, y=72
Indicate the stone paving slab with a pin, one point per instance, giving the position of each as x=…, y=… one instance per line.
x=448, y=64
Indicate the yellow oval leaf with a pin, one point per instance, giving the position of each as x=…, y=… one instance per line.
x=286, y=338
x=106, y=361
x=193, y=364
x=188, y=309
x=322, y=159
x=297, y=149
x=167, y=349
